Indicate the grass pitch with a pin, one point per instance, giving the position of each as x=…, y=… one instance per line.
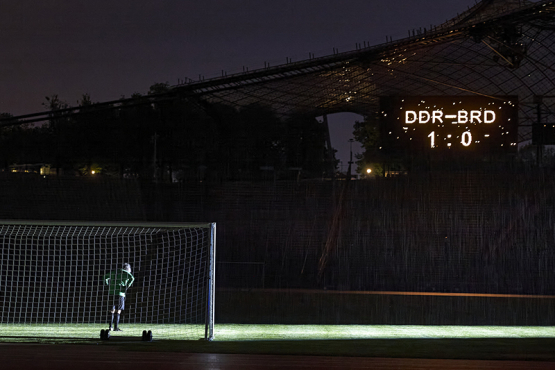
x=232, y=332
x=66, y=333
x=452, y=342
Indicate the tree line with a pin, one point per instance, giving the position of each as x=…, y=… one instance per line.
x=172, y=140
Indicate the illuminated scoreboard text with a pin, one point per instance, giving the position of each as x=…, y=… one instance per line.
x=455, y=123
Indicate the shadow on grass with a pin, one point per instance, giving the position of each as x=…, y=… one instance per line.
x=45, y=340
x=538, y=349
x=68, y=340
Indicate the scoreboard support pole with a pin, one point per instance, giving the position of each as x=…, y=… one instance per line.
x=539, y=144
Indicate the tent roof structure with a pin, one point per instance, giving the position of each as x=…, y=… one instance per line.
x=495, y=48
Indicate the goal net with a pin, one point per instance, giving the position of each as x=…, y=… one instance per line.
x=54, y=274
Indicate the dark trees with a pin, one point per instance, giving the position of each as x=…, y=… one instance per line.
x=173, y=139
x=305, y=146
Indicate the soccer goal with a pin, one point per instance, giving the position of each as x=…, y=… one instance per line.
x=65, y=279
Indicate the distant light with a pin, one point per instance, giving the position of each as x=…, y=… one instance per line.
x=368, y=171
x=93, y=172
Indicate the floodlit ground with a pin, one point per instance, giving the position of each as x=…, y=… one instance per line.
x=331, y=332
x=71, y=333
x=384, y=341
x=234, y=332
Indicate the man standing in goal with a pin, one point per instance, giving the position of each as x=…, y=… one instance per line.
x=118, y=281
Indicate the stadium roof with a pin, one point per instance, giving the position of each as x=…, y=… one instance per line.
x=497, y=47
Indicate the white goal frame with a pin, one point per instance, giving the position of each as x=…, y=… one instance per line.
x=211, y=265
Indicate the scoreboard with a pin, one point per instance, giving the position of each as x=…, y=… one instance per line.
x=459, y=124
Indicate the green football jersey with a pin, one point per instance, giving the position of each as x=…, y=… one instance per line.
x=118, y=281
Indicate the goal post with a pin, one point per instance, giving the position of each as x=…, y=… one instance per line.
x=210, y=312
x=56, y=274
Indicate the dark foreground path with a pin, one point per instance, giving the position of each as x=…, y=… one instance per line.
x=85, y=357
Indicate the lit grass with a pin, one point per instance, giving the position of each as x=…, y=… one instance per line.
x=231, y=332
x=70, y=333
x=235, y=332
x=453, y=342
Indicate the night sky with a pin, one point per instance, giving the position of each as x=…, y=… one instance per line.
x=110, y=49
